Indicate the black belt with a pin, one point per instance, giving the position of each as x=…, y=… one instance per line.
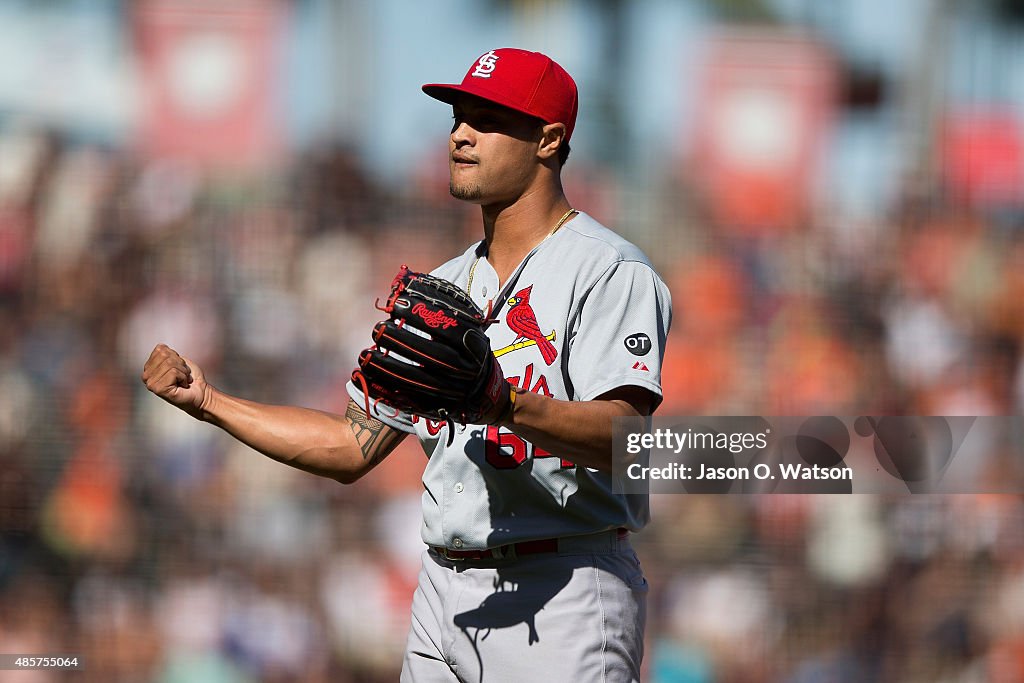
x=544, y=545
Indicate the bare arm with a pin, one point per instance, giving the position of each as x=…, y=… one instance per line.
x=579, y=431
x=341, y=447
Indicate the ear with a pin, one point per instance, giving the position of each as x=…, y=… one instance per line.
x=552, y=137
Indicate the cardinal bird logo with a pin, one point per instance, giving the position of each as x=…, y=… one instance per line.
x=523, y=322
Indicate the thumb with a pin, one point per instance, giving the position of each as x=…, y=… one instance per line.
x=195, y=373
x=477, y=344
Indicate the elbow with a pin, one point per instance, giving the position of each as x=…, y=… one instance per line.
x=621, y=460
x=347, y=477
x=331, y=463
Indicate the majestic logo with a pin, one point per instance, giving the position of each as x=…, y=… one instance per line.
x=523, y=321
x=485, y=65
x=638, y=344
x=433, y=318
x=641, y=366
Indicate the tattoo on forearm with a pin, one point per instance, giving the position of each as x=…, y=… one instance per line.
x=374, y=437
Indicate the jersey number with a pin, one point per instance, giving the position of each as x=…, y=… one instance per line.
x=506, y=451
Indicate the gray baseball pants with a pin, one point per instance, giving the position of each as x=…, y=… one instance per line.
x=575, y=615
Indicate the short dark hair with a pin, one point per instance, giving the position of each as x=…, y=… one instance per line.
x=563, y=149
x=563, y=152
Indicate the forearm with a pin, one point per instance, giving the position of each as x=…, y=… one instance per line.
x=325, y=444
x=578, y=431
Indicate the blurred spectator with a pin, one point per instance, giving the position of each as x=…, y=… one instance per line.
x=163, y=552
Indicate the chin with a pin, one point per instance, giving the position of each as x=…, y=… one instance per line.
x=467, y=193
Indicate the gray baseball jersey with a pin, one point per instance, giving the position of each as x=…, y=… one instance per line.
x=586, y=314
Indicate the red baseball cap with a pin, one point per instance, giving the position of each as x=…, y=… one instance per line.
x=526, y=81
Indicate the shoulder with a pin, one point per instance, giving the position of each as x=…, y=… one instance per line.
x=602, y=243
x=602, y=248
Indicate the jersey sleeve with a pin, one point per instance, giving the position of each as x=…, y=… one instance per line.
x=619, y=332
x=389, y=416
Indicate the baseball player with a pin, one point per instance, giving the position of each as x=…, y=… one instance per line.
x=527, y=571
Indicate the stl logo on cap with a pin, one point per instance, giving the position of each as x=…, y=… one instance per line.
x=528, y=82
x=485, y=65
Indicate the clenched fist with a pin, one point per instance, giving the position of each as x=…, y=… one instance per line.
x=176, y=379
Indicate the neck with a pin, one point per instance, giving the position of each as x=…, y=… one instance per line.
x=512, y=231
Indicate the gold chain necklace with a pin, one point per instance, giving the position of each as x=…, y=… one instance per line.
x=560, y=223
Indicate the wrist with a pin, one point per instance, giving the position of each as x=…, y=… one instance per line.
x=205, y=411
x=507, y=415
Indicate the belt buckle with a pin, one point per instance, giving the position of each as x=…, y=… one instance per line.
x=496, y=553
x=444, y=552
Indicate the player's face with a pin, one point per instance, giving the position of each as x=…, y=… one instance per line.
x=492, y=152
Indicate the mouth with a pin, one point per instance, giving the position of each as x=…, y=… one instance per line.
x=462, y=160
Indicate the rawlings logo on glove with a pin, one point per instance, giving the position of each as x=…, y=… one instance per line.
x=433, y=318
x=432, y=357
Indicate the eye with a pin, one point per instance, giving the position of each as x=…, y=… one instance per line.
x=489, y=122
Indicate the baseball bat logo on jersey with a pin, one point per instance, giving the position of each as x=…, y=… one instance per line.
x=485, y=65
x=523, y=321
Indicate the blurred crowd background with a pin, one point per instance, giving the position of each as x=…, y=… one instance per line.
x=832, y=190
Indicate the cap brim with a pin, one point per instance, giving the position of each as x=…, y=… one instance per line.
x=449, y=93
x=446, y=92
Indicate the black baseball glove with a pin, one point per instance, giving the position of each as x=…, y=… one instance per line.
x=431, y=357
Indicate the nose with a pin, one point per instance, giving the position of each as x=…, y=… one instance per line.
x=462, y=134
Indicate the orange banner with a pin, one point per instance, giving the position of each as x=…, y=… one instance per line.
x=765, y=104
